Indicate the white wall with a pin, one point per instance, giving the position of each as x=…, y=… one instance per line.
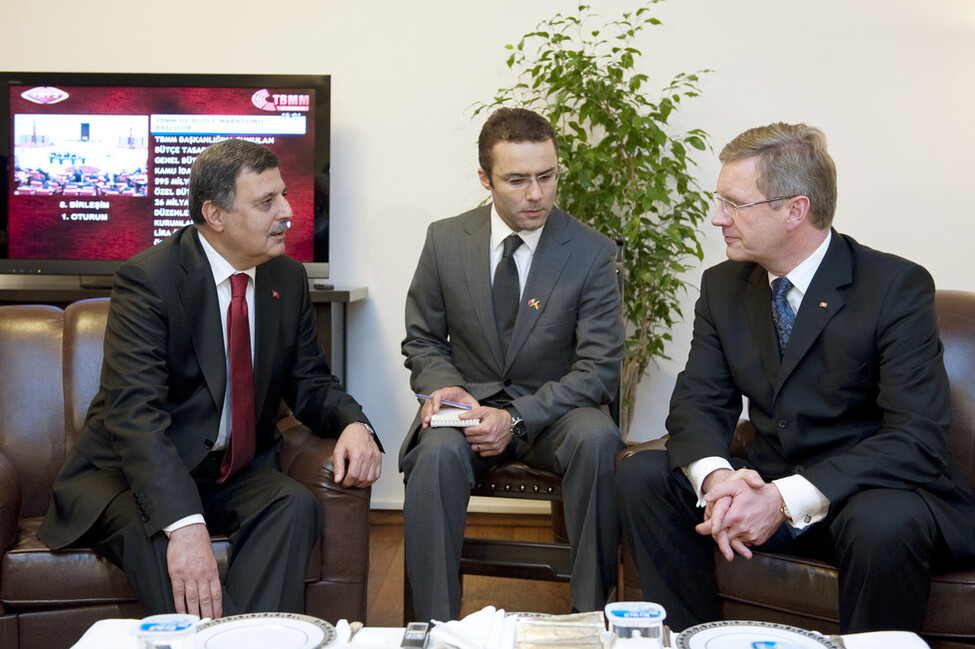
x=888, y=80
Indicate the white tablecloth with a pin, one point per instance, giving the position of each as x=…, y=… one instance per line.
x=118, y=634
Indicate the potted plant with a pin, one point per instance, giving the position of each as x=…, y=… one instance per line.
x=623, y=171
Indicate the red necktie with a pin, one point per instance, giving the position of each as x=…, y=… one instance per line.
x=242, y=416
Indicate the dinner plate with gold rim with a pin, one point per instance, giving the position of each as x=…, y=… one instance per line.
x=263, y=630
x=733, y=634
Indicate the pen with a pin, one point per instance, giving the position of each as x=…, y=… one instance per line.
x=445, y=402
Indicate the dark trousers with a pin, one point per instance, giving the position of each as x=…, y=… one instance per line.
x=272, y=522
x=881, y=540
x=440, y=471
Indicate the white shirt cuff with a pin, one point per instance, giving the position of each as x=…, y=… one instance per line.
x=698, y=470
x=805, y=503
x=186, y=521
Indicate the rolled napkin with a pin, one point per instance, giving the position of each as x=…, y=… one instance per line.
x=343, y=632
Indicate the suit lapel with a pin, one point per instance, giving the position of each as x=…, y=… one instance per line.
x=268, y=304
x=201, y=308
x=476, y=246
x=822, y=301
x=548, y=261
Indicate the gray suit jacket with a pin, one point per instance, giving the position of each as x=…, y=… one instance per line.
x=568, y=339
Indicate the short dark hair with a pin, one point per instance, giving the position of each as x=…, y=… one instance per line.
x=791, y=159
x=215, y=171
x=512, y=125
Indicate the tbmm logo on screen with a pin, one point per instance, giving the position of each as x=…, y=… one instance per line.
x=283, y=101
x=44, y=95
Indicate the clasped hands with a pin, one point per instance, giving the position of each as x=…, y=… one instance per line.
x=490, y=437
x=742, y=510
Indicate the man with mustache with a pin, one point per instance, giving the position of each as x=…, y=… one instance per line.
x=180, y=441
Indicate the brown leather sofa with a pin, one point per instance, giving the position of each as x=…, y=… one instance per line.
x=50, y=361
x=802, y=592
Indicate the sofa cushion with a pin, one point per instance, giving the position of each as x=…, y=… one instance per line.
x=33, y=575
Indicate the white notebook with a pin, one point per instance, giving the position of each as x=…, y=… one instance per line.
x=448, y=416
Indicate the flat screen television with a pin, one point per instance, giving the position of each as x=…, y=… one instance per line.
x=96, y=165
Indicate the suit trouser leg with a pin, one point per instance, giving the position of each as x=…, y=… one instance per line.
x=675, y=563
x=885, y=540
x=273, y=522
x=120, y=535
x=581, y=447
x=439, y=472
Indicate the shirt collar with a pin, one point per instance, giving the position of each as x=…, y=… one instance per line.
x=802, y=275
x=500, y=232
x=220, y=267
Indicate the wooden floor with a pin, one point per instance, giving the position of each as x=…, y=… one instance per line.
x=385, y=592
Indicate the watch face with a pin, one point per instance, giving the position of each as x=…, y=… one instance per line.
x=518, y=428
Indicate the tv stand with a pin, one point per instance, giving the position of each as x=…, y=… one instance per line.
x=95, y=281
x=61, y=290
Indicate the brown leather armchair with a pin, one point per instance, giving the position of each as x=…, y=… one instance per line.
x=50, y=360
x=803, y=592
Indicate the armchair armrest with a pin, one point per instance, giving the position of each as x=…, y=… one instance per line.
x=10, y=500
x=741, y=441
x=652, y=445
x=345, y=538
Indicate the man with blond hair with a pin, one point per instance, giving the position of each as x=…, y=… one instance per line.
x=835, y=346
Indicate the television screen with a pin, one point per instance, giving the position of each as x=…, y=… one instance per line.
x=98, y=165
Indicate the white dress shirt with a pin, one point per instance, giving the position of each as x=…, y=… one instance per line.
x=523, y=254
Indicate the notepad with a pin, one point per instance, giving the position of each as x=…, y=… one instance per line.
x=448, y=416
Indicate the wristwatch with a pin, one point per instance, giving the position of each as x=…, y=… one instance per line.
x=518, y=427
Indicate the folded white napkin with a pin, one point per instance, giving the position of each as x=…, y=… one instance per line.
x=884, y=640
x=484, y=629
x=109, y=634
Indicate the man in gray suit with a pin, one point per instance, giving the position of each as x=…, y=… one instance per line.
x=536, y=369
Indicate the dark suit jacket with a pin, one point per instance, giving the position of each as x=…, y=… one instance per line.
x=163, y=381
x=860, y=398
x=564, y=353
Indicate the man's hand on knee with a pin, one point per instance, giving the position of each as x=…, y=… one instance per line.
x=193, y=572
x=357, y=461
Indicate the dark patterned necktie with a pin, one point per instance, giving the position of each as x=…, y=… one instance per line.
x=507, y=291
x=782, y=313
x=242, y=412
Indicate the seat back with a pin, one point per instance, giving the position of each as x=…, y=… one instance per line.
x=32, y=399
x=956, y=323
x=84, y=334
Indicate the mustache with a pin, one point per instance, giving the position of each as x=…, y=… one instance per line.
x=280, y=227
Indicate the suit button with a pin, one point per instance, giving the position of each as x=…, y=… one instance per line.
x=208, y=443
x=506, y=382
x=783, y=423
